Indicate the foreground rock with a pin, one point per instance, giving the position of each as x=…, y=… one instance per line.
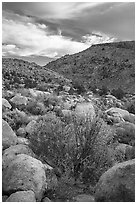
x=8, y=135
x=117, y=184
x=11, y=153
x=22, y=196
x=25, y=173
x=19, y=101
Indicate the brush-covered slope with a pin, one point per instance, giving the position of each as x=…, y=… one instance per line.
x=17, y=71
x=110, y=64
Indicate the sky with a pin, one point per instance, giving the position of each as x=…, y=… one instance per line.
x=45, y=31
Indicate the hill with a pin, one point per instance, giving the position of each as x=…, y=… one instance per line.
x=110, y=64
x=17, y=72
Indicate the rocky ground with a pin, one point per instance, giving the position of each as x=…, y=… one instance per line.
x=67, y=147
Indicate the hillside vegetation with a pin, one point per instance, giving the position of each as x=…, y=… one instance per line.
x=110, y=64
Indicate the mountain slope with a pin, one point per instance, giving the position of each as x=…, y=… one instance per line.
x=17, y=71
x=110, y=64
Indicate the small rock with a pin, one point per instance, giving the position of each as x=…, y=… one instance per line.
x=30, y=126
x=22, y=196
x=21, y=132
x=46, y=199
x=84, y=198
x=8, y=135
x=22, y=140
x=5, y=104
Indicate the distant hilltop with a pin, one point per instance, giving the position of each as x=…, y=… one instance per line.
x=109, y=64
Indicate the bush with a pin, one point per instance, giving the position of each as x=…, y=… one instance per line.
x=118, y=93
x=103, y=91
x=68, y=147
x=79, y=86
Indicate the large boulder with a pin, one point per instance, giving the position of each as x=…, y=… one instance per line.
x=22, y=196
x=124, y=114
x=11, y=153
x=125, y=132
x=84, y=110
x=5, y=105
x=8, y=135
x=25, y=173
x=117, y=184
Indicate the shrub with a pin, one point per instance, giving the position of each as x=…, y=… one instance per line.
x=118, y=93
x=103, y=91
x=79, y=86
x=68, y=147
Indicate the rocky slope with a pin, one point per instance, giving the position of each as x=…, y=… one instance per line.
x=17, y=72
x=110, y=64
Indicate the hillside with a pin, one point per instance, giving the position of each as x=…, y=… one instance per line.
x=18, y=72
x=110, y=64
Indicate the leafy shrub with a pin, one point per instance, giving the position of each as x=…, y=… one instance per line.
x=103, y=91
x=68, y=147
x=79, y=86
x=118, y=93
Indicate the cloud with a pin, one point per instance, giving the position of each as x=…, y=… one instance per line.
x=98, y=38
x=23, y=37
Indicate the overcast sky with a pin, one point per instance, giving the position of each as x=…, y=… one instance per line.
x=48, y=30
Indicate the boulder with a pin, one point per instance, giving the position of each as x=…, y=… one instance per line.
x=30, y=126
x=24, y=119
x=85, y=110
x=125, y=132
x=117, y=184
x=22, y=196
x=8, y=135
x=84, y=198
x=124, y=152
x=21, y=132
x=25, y=173
x=46, y=199
x=5, y=105
x=123, y=113
x=22, y=140
x=10, y=153
x=19, y=100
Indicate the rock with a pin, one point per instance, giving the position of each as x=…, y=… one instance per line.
x=11, y=153
x=84, y=198
x=30, y=126
x=117, y=111
x=125, y=132
x=124, y=151
x=21, y=132
x=22, y=140
x=36, y=93
x=46, y=199
x=130, y=118
x=25, y=173
x=22, y=116
x=84, y=110
x=117, y=184
x=19, y=100
x=8, y=135
x=22, y=196
x=51, y=178
x=5, y=105
x=66, y=88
